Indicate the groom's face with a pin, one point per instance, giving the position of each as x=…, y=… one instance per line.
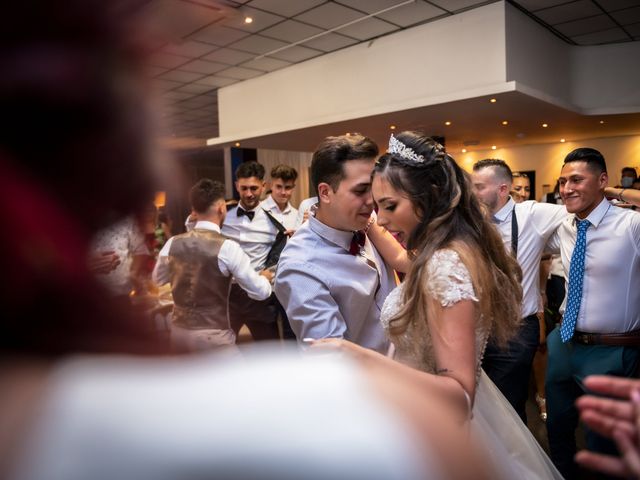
x=350, y=206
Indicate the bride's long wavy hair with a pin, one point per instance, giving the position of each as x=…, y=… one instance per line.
x=450, y=217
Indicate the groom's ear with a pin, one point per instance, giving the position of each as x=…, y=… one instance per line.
x=324, y=191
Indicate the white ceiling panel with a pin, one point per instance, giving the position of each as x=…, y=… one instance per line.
x=261, y=20
x=412, y=14
x=173, y=95
x=167, y=60
x=166, y=84
x=329, y=15
x=613, y=5
x=219, y=35
x=194, y=88
x=627, y=16
x=155, y=71
x=456, y=5
x=330, y=42
x=586, y=25
x=189, y=48
x=204, y=67
x=216, y=81
x=285, y=8
x=534, y=5
x=240, y=73
x=369, y=28
x=291, y=31
x=258, y=44
x=180, y=76
x=568, y=12
x=228, y=56
x=604, y=36
x=266, y=64
x=633, y=29
x=296, y=54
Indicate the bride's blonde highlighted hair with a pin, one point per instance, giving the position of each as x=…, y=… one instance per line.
x=450, y=217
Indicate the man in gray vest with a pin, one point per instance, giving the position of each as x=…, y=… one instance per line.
x=200, y=265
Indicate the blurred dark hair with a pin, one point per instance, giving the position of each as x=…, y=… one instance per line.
x=591, y=156
x=327, y=164
x=630, y=170
x=74, y=157
x=450, y=217
x=284, y=172
x=250, y=169
x=205, y=193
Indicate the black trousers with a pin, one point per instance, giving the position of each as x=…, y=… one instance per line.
x=510, y=367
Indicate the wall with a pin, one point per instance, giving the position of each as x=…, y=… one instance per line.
x=547, y=159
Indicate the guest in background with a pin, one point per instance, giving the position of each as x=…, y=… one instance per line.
x=522, y=186
x=600, y=329
x=628, y=175
x=249, y=225
x=200, y=265
x=283, y=182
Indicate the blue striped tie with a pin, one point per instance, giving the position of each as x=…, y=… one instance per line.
x=576, y=279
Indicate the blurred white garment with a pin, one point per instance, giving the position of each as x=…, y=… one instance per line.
x=216, y=416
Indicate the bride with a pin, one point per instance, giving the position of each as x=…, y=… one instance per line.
x=461, y=286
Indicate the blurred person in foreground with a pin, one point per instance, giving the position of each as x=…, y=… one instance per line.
x=73, y=78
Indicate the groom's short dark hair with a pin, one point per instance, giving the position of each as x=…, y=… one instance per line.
x=327, y=165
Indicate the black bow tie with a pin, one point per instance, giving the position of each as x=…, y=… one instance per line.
x=242, y=211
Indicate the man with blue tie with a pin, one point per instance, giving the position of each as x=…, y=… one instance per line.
x=600, y=330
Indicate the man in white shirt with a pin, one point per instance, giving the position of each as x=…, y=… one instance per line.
x=525, y=229
x=600, y=331
x=283, y=181
x=331, y=280
x=200, y=265
x=249, y=225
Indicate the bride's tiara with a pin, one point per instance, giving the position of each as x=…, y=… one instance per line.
x=399, y=148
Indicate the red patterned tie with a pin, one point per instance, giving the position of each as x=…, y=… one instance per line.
x=357, y=242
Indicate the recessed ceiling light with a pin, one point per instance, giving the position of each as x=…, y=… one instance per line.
x=601, y=122
x=237, y=144
x=392, y=127
x=447, y=123
x=248, y=20
x=493, y=147
x=562, y=140
x=545, y=125
x=504, y=122
x=493, y=100
x=464, y=150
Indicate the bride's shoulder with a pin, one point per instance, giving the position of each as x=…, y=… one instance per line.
x=448, y=277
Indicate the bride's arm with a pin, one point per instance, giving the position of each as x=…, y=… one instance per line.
x=390, y=249
x=454, y=344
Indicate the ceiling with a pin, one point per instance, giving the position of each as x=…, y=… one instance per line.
x=210, y=45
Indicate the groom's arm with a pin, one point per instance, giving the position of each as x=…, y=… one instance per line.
x=311, y=310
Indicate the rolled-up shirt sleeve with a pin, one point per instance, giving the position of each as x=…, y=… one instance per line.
x=233, y=261
x=311, y=309
x=161, y=272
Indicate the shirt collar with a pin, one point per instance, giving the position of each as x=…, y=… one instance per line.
x=340, y=238
x=205, y=225
x=270, y=204
x=502, y=214
x=240, y=205
x=597, y=214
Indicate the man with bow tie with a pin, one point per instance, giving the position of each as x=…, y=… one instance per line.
x=249, y=225
x=331, y=280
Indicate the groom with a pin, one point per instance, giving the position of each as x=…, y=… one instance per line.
x=331, y=280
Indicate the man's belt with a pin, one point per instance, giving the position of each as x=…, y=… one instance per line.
x=625, y=339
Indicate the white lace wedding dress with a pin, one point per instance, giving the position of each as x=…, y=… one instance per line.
x=510, y=446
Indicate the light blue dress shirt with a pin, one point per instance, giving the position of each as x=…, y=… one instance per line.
x=329, y=293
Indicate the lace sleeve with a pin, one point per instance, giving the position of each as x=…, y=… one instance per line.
x=449, y=280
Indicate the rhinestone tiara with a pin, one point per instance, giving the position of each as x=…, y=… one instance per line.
x=399, y=148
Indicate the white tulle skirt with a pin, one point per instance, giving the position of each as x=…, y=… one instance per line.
x=512, y=449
